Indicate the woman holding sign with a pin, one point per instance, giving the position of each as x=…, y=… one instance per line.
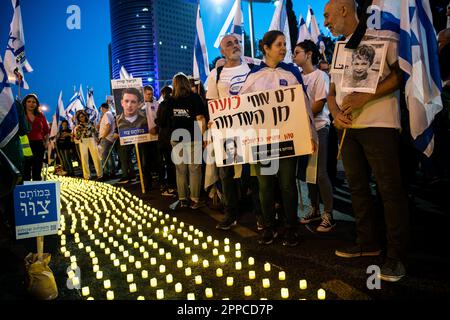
x=272, y=74
x=306, y=56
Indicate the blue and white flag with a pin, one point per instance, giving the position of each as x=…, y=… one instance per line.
x=384, y=19
x=124, y=75
x=15, y=57
x=201, y=64
x=411, y=23
x=233, y=24
x=419, y=60
x=61, y=110
x=58, y=117
x=83, y=101
x=9, y=119
x=76, y=103
x=313, y=27
x=280, y=22
x=303, y=32
x=91, y=109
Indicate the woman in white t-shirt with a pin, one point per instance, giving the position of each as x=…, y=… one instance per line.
x=273, y=73
x=306, y=56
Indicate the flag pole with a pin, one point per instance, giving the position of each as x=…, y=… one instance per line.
x=109, y=154
x=341, y=144
x=19, y=78
x=252, y=32
x=140, y=167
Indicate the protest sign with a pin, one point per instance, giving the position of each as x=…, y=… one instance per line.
x=131, y=120
x=260, y=126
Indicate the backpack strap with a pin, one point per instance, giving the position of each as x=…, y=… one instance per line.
x=219, y=71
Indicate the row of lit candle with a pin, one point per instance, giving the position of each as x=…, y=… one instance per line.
x=195, y=259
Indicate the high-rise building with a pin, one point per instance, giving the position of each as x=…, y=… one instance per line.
x=152, y=39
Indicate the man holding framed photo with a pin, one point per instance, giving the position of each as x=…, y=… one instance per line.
x=371, y=145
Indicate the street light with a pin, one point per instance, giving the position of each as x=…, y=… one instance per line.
x=44, y=108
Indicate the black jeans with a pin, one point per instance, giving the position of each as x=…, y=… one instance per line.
x=377, y=150
x=66, y=160
x=33, y=165
x=125, y=156
x=149, y=153
x=288, y=186
x=230, y=188
x=167, y=165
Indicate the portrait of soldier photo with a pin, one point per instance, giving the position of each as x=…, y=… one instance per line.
x=131, y=120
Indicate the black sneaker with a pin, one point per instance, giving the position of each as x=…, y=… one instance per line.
x=291, y=238
x=393, y=270
x=312, y=215
x=226, y=224
x=268, y=236
x=327, y=223
x=358, y=251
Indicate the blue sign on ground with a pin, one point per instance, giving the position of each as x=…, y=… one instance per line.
x=37, y=208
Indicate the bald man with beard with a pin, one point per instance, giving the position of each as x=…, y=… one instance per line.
x=371, y=145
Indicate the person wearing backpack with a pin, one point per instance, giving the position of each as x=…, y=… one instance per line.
x=224, y=81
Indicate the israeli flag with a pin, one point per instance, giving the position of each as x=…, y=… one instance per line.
x=280, y=23
x=15, y=58
x=303, y=32
x=201, y=64
x=411, y=23
x=61, y=110
x=76, y=103
x=91, y=108
x=384, y=19
x=233, y=24
x=83, y=101
x=313, y=27
x=60, y=115
x=124, y=75
x=9, y=119
x=418, y=59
